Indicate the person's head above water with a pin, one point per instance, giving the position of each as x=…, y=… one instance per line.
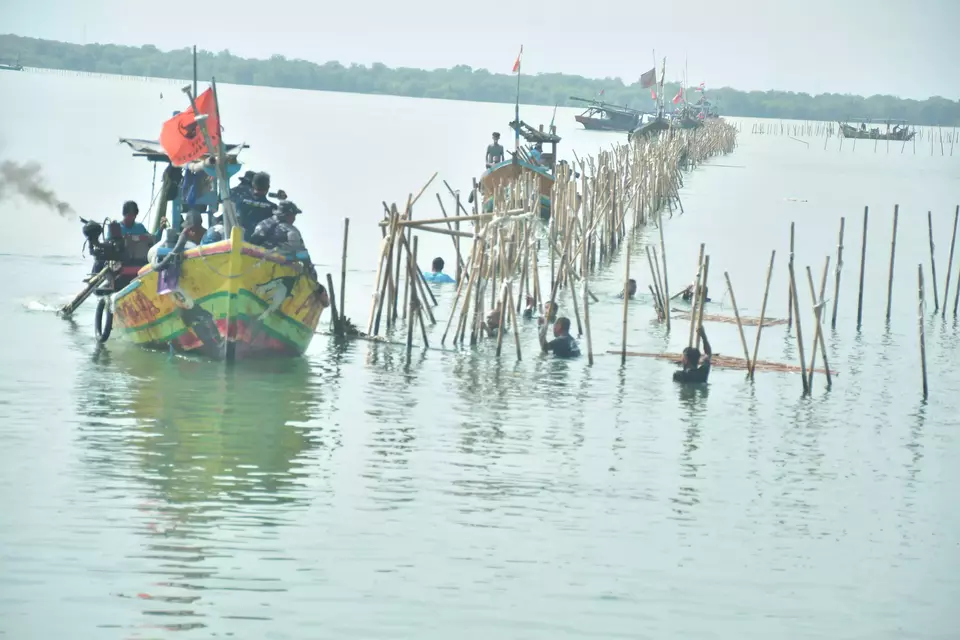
x=691, y=357
x=130, y=211
x=438, y=265
x=631, y=286
x=261, y=183
x=561, y=327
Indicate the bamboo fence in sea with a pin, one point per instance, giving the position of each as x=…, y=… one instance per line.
x=942, y=140
x=596, y=204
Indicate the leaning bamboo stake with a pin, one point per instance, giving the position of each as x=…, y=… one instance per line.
x=703, y=296
x=923, y=341
x=657, y=298
x=763, y=310
x=513, y=320
x=863, y=264
x=933, y=265
x=893, y=252
x=790, y=287
x=696, y=296
x=836, y=287
x=796, y=309
x=953, y=244
x=343, y=271
x=736, y=313
x=818, y=330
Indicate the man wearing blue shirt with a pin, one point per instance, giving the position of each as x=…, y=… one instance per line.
x=129, y=225
x=437, y=275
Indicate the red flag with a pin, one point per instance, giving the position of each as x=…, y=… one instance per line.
x=653, y=93
x=700, y=87
x=181, y=137
x=516, y=65
x=649, y=78
x=601, y=92
x=677, y=98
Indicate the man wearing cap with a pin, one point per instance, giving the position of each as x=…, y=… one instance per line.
x=278, y=232
x=244, y=189
x=255, y=208
x=494, y=151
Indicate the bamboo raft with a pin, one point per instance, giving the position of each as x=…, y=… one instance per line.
x=725, y=362
x=747, y=321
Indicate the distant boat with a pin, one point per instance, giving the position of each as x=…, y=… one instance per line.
x=650, y=126
x=896, y=130
x=601, y=116
x=16, y=66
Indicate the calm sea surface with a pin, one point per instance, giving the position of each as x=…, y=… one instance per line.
x=356, y=493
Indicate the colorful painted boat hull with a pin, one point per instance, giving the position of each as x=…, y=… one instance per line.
x=506, y=173
x=231, y=301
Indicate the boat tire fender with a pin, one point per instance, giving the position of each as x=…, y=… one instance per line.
x=103, y=320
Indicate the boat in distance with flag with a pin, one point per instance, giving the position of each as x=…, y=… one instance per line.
x=227, y=300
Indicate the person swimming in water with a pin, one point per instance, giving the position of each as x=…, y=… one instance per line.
x=563, y=345
x=696, y=369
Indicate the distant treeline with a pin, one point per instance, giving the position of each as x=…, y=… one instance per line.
x=458, y=83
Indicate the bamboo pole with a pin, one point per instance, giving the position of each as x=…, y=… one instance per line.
x=666, y=286
x=626, y=303
x=923, y=341
x=933, y=265
x=863, y=264
x=763, y=310
x=803, y=363
x=790, y=287
x=696, y=296
x=893, y=252
x=343, y=272
x=736, y=313
x=703, y=296
x=836, y=287
x=818, y=329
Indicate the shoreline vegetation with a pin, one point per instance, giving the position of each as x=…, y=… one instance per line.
x=457, y=83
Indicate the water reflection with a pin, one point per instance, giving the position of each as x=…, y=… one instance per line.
x=220, y=454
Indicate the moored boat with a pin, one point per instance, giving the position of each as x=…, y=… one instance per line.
x=601, y=116
x=524, y=161
x=894, y=130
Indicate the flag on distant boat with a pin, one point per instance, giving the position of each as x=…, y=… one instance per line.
x=653, y=93
x=516, y=65
x=601, y=92
x=677, y=98
x=649, y=78
x=181, y=137
x=700, y=87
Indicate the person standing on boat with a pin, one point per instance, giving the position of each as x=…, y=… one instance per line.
x=536, y=153
x=563, y=345
x=437, y=276
x=695, y=369
x=244, y=189
x=255, y=208
x=494, y=151
x=128, y=223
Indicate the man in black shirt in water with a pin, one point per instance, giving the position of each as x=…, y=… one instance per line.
x=563, y=345
x=695, y=368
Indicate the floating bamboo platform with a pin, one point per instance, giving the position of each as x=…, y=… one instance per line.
x=725, y=362
x=747, y=321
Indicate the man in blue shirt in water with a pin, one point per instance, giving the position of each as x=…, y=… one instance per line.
x=563, y=345
x=437, y=275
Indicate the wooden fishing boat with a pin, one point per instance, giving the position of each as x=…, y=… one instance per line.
x=228, y=300
x=650, y=126
x=503, y=174
x=601, y=116
x=16, y=66
x=893, y=130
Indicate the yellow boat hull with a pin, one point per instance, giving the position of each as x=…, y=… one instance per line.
x=233, y=300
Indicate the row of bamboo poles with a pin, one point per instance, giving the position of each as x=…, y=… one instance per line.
x=941, y=140
x=512, y=260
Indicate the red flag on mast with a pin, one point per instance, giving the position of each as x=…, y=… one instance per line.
x=649, y=78
x=181, y=137
x=677, y=98
x=516, y=65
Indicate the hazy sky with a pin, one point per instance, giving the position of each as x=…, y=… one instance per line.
x=904, y=48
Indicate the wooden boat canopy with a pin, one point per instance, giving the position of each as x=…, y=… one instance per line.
x=534, y=136
x=153, y=151
x=611, y=109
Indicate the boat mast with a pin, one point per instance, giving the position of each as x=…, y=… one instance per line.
x=194, y=70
